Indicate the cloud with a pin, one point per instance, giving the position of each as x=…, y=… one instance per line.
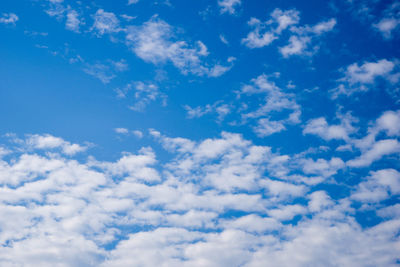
x=73, y=21
x=215, y=198
x=106, y=71
x=389, y=122
x=302, y=37
x=105, y=22
x=221, y=109
x=321, y=128
x=100, y=71
x=379, y=186
x=275, y=101
x=390, y=21
x=376, y=152
x=228, y=6
x=48, y=141
x=153, y=42
x=359, y=78
x=280, y=20
x=9, y=18
x=143, y=92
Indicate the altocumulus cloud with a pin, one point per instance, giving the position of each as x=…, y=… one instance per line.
x=182, y=209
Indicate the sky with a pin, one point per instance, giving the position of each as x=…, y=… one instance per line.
x=199, y=133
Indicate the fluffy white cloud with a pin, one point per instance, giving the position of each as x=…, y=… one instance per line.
x=215, y=198
x=390, y=21
x=378, y=150
x=280, y=20
x=229, y=6
x=105, y=22
x=328, y=132
x=304, y=36
x=389, y=122
x=9, y=18
x=47, y=141
x=264, y=33
x=358, y=78
x=378, y=186
x=221, y=109
x=387, y=25
x=73, y=21
x=154, y=42
x=275, y=100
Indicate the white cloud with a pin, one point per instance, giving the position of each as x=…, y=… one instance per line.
x=389, y=122
x=100, y=71
x=275, y=101
x=267, y=127
x=9, y=18
x=280, y=20
x=105, y=22
x=322, y=167
x=51, y=142
x=153, y=42
x=378, y=186
x=73, y=21
x=296, y=46
x=213, y=204
x=358, y=78
x=121, y=130
x=304, y=37
x=328, y=132
x=376, y=152
x=389, y=22
x=221, y=109
x=387, y=25
x=144, y=94
x=229, y=6
x=131, y=2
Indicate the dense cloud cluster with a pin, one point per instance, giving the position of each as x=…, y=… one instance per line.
x=217, y=202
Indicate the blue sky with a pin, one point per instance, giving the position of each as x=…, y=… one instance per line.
x=199, y=133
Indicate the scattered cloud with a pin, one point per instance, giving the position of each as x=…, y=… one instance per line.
x=301, y=39
x=73, y=21
x=9, y=18
x=154, y=42
x=360, y=78
x=229, y=6
x=265, y=33
x=105, y=23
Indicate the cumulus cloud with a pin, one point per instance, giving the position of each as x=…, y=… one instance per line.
x=8, y=18
x=48, y=141
x=266, y=32
x=379, y=186
x=221, y=109
x=328, y=132
x=154, y=42
x=275, y=100
x=215, y=198
x=389, y=22
x=376, y=152
x=105, y=22
x=73, y=21
x=302, y=37
x=229, y=6
x=359, y=78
